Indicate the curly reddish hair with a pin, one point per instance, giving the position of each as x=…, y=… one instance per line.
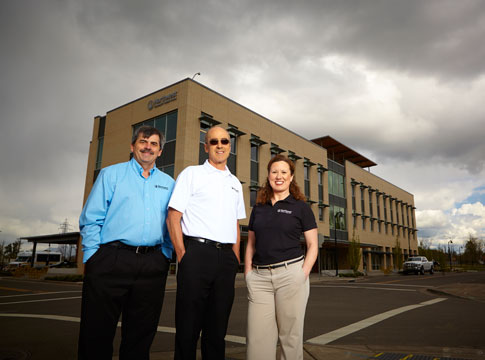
x=266, y=192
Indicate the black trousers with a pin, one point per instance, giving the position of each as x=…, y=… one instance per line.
x=120, y=281
x=205, y=293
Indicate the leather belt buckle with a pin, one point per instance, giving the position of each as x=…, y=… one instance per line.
x=143, y=249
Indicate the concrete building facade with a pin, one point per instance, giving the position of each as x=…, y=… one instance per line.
x=346, y=198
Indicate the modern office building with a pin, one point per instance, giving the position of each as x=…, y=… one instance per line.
x=348, y=201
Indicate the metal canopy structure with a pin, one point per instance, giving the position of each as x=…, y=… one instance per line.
x=70, y=238
x=339, y=152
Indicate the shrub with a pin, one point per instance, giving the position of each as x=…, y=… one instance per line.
x=71, y=278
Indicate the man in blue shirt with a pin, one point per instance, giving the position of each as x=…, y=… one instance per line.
x=126, y=252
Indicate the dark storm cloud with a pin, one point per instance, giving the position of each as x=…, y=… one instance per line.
x=64, y=62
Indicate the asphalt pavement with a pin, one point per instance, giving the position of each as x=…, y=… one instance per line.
x=472, y=291
x=460, y=286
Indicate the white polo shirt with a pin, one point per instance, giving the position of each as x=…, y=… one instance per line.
x=211, y=202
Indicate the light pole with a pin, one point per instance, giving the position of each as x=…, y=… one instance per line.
x=337, y=217
x=449, y=252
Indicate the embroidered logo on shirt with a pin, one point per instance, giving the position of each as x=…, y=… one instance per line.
x=161, y=187
x=233, y=188
x=284, y=211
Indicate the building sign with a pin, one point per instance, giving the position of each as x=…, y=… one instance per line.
x=162, y=100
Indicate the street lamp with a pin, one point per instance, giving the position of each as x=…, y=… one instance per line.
x=337, y=217
x=449, y=252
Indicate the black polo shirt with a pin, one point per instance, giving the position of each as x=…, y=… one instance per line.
x=278, y=229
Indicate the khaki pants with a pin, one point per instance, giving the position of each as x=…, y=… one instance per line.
x=277, y=304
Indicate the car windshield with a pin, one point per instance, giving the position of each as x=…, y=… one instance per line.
x=414, y=259
x=23, y=258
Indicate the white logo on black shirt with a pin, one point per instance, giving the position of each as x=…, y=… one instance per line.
x=284, y=211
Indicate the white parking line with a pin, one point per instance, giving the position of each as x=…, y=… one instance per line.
x=42, y=300
x=42, y=293
x=359, y=287
x=397, y=284
x=346, y=330
x=164, y=329
x=41, y=316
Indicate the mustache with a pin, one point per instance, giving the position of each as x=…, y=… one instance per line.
x=147, y=151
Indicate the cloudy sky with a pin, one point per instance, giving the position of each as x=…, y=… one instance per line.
x=402, y=82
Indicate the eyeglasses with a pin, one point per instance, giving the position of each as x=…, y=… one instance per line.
x=216, y=141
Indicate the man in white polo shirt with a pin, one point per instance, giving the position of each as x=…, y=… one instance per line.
x=204, y=210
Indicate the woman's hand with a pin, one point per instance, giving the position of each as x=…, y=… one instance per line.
x=306, y=271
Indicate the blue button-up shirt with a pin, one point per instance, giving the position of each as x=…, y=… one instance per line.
x=125, y=206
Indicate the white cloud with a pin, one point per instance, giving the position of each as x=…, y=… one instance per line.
x=436, y=219
x=388, y=79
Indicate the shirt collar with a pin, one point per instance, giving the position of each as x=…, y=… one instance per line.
x=289, y=199
x=211, y=169
x=138, y=169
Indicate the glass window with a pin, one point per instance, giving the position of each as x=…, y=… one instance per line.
x=252, y=197
x=353, y=200
x=171, y=132
x=254, y=164
x=384, y=200
x=378, y=206
x=338, y=223
x=371, y=209
x=330, y=182
x=336, y=184
x=203, y=156
x=362, y=201
x=161, y=123
x=392, y=213
x=376, y=261
x=99, y=154
x=96, y=173
x=320, y=186
x=307, y=181
x=231, y=161
x=168, y=155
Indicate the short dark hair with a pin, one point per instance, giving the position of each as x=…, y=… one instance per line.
x=146, y=132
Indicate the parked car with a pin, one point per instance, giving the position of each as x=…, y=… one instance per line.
x=418, y=265
x=42, y=259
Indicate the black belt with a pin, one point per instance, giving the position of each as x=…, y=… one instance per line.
x=217, y=244
x=278, y=265
x=136, y=249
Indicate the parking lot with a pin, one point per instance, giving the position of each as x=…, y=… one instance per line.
x=351, y=319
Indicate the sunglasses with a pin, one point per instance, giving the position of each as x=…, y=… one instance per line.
x=214, y=142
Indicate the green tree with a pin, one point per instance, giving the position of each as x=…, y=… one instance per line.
x=473, y=250
x=11, y=250
x=354, y=255
x=2, y=254
x=397, y=254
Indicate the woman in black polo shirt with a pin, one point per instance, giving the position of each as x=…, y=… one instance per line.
x=276, y=269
